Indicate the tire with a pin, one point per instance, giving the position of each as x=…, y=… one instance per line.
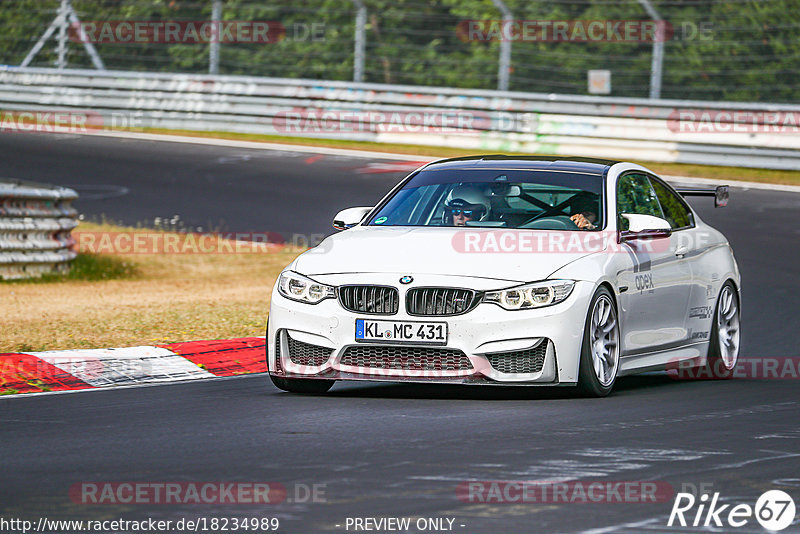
x=723, y=350
x=302, y=385
x=599, y=358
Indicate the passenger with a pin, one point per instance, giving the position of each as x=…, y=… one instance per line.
x=584, y=213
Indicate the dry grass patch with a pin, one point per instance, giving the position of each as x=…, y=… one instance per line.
x=146, y=299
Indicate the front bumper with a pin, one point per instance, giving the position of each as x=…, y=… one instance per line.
x=481, y=335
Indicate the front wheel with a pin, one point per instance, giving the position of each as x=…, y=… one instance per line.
x=302, y=385
x=599, y=362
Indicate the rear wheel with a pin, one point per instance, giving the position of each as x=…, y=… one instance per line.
x=723, y=350
x=302, y=385
x=599, y=362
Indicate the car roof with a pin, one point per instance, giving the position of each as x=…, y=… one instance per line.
x=544, y=163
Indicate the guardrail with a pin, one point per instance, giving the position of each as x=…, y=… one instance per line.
x=35, y=225
x=712, y=133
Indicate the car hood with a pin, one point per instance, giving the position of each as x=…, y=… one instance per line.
x=499, y=254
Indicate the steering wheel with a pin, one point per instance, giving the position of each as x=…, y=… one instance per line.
x=558, y=222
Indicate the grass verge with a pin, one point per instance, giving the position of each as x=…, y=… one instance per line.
x=88, y=267
x=728, y=174
x=111, y=300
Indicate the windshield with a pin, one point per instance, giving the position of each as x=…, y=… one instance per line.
x=543, y=200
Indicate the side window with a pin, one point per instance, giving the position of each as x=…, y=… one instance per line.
x=675, y=209
x=636, y=195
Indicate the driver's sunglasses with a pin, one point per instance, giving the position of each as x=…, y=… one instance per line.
x=458, y=212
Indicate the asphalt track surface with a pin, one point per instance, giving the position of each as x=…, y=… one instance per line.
x=394, y=450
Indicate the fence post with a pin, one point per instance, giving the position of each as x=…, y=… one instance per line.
x=63, y=12
x=504, y=68
x=657, y=61
x=360, y=40
x=213, y=51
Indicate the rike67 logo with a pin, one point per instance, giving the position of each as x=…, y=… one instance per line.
x=774, y=510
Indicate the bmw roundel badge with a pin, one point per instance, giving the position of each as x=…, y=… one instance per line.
x=406, y=279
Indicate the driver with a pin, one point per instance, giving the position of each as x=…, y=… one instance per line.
x=584, y=213
x=466, y=203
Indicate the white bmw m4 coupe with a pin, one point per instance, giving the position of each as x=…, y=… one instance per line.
x=511, y=270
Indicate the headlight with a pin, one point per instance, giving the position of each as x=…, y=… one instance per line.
x=536, y=295
x=301, y=288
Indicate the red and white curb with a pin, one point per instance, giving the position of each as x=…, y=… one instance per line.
x=36, y=372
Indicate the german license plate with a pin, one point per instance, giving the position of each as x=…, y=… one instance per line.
x=433, y=333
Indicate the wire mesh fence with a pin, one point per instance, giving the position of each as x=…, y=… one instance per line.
x=738, y=50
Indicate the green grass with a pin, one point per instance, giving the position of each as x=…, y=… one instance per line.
x=87, y=268
x=675, y=169
x=94, y=267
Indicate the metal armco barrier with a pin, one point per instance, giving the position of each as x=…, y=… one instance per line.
x=35, y=225
x=711, y=133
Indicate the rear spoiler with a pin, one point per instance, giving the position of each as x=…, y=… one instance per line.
x=720, y=194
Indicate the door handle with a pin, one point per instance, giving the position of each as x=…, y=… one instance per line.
x=681, y=251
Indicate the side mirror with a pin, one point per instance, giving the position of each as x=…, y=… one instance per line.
x=350, y=217
x=644, y=227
